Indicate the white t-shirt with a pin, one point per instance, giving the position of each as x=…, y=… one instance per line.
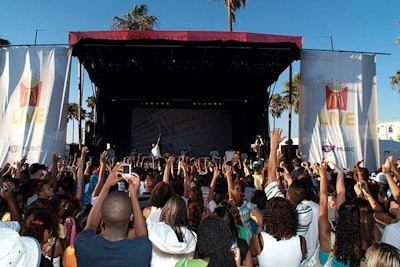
x=391, y=234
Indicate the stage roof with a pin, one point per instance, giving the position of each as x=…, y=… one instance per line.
x=185, y=65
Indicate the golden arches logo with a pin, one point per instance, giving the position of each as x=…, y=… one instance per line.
x=30, y=92
x=336, y=100
x=27, y=94
x=336, y=97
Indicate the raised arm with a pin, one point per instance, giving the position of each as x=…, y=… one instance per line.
x=139, y=221
x=228, y=175
x=324, y=227
x=273, y=159
x=340, y=186
x=158, y=139
x=53, y=170
x=167, y=169
x=80, y=172
x=102, y=174
x=359, y=174
x=186, y=178
x=6, y=192
x=386, y=168
x=212, y=184
x=364, y=188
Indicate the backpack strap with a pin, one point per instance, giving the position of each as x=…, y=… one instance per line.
x=53, y=249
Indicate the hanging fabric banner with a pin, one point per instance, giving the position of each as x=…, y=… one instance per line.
x=338, y=108
x=34, y=92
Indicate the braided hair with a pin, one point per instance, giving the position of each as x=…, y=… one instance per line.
x=214, y=240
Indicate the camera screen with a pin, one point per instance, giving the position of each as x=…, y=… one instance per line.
x=125, y=169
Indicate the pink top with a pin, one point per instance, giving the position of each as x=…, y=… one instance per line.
x=73, y=231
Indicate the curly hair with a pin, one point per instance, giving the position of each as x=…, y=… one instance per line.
x=238, y=194
x=214, y=240
x=174, y=214
x=232, y=208
x=281, y=218
x=195, y=214
x=160, y=194
x=197, y=195
x=347, y=248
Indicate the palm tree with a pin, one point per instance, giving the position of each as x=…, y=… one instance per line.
x=137, y=19
x=73, y=115
x=232, y=6
x=4, y=42
x=276, y=107
x=295, y=93
x=395, y=81
x=91, y=103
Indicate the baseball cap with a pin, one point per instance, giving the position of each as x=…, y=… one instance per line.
x=33, y=168
x=379, y=177
x=18, y=250
x=257, y=165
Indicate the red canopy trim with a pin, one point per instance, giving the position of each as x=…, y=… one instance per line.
x=74, y=37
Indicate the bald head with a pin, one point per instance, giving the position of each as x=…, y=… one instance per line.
x=116, y=209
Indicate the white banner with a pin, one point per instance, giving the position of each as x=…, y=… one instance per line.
x=34, y=92
x=338, y=108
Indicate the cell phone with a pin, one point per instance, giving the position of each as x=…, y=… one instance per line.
x=304, y=164
x=279, y=169
x=362, y=183
x=126, y=170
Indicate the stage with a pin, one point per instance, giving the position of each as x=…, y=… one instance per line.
x=199, y=89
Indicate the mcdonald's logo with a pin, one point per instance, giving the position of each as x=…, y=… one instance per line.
x=29, y=96
x=336, y=98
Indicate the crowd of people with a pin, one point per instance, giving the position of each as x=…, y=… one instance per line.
x=176, y=210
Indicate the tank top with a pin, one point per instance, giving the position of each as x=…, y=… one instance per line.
x=280, y=253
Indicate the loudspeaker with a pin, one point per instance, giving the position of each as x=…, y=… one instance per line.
x=74, y=148
x=289, y=153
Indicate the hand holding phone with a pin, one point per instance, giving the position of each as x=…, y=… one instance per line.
x=126, y=170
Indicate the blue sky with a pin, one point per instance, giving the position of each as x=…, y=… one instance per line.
x=362, y=26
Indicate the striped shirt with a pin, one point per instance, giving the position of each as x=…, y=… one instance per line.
x=303, y=209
